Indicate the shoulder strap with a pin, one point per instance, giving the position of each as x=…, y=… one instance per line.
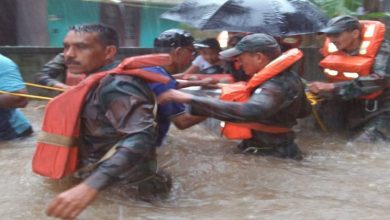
x=275, y=67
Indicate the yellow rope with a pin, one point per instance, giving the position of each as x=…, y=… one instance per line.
x=313, y=99
x=33, y=96
x=44, y=87
x=317, y=117
x=26, y=95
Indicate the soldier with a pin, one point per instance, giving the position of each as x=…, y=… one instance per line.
x=117, y=113
x=274, y=99
x=51, y=71
x=357, y=64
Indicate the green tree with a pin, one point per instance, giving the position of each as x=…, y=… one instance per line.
x=364, y=9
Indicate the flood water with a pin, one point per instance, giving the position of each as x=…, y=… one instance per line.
x=336, y=180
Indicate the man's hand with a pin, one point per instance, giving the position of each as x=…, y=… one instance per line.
x=209, y=83
x=208, y=80
x=174, y=96
x=69, y=204
x=317, y=87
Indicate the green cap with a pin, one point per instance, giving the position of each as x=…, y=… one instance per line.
x=340, y=24
x=252, y=43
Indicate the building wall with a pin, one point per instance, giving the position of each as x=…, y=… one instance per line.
x=45, y=22
x=64, y=13
x=152, y=25
x=31, y=22
x=8, y=32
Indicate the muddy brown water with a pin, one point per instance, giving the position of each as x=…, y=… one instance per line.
x=336, y=180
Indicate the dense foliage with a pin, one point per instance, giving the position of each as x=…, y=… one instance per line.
x=365, y=9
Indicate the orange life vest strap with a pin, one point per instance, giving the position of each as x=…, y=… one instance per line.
x=139, y=62
x=275, y=67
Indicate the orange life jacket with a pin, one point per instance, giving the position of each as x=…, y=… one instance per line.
x=222, y=77
x=57, y=148
x=73, y=79
x=241, y=92
x=339, y=66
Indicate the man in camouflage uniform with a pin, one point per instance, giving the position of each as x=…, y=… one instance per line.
x=53, y=73
x=342, y=109
x=119, y=113
x=278, y=101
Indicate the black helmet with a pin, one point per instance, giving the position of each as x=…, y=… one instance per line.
x=174, y=38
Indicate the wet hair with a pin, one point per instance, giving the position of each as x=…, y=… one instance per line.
x=234, y=40
x=211, y=43
x=272, y=53
x=107, y=35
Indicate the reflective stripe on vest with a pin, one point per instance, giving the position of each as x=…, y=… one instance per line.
x=351, y=75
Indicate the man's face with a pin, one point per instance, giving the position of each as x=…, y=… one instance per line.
x=250, y=63
x=344, y=40
x=84, y=53
x=210, y=55
x=184, y=57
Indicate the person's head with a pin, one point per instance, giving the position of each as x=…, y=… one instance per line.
x=89, y=47
x=179, y=44
x=289, y=42
x=344, y=32
x=234, y=39
x=254, y=52
x=209, y=49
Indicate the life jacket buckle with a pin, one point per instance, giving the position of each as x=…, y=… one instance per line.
x=371, y=105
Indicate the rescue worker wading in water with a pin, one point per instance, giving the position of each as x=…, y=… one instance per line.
x=118, y=113
x=264, y=110
x=357, y=64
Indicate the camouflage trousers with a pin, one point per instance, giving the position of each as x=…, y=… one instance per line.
x=366, y=119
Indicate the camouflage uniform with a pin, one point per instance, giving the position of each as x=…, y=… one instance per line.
x=120, y=112
x=52, y=72
x=277, y=102
x=371, y=118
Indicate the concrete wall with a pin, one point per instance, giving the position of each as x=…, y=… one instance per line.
x=31, y=22
x=151, y=25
